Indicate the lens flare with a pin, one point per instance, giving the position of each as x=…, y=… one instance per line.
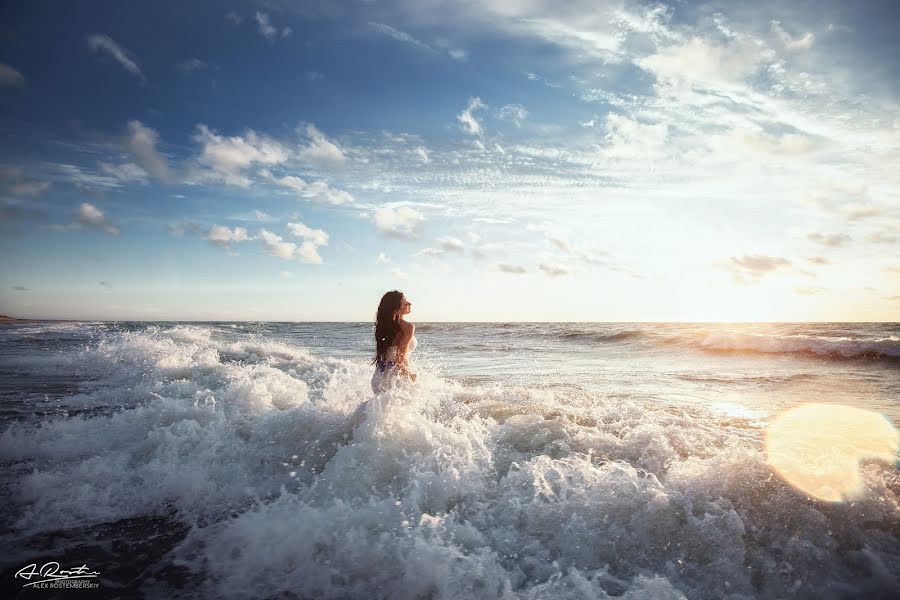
x=817, y=448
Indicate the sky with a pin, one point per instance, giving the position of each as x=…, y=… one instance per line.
x=496, y=160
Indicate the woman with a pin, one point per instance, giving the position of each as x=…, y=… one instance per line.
x=395, y=339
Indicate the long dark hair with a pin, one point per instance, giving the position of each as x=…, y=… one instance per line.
x=387, y=328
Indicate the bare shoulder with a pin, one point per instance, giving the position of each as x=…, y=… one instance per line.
x=406, y=327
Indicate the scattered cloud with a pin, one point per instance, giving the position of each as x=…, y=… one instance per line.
x=467, y=118
x=274, y=245
x=451, y=244
x=318, y=191
x=141, y=142
x=10, y=76
x=227, y=159
x=513, y=112
x=234, y=17
x=398, y=274
x=192, y=64
x=88, y=216
x=320, y=151
x=222, y=236
x=833, y=240
x=104, y=43
x=818, y=260
x=514, y=269
x=401, y=222
x=458, y=54
x=422, y=153
x=19, y=288
x=14, y=182
x=803, y=42
x=268, y=30
x=382, y=258
x=124, y=172
x=750, y=268
x=401, y=36
x=312, y=239
x=809, y=290
x=554, y=270
x=105, y=284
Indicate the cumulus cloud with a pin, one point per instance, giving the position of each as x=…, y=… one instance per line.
x=451, y=244
x=320, y=151
x=268, y=30
x=104, y=43
x=833, y=240
x=318, y=191
x=382, y=258
x=222, y=236
x=227, y=159
x=398, y=274
x=10, y=76
x=514, y=269
x=141, y=142
x=401, y=222
x=467, y=117
x=750, y=268
x=554, y=270
x=275, y=245
x=91, y=217
x=312, y=239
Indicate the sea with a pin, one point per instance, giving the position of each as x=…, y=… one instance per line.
x=526, y=461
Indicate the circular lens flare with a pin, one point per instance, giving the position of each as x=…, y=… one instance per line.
x=817, y=448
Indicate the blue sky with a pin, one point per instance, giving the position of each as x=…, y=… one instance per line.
x=497, y=160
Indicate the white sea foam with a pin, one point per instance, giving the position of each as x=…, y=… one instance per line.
x=837, y=347
x=444, y=491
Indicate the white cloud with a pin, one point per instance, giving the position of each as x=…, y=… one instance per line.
x=467, y=119
x=90, y=216
x=227, y=159
x=513, y=112
x=833, y=240
x=192, y=64
x=268, y=30
x=751, y=268
x=400, y=222
x=14, y=182
x=400, y=36
x=627, y=138
x=458, y=54
x=106, y=44
x=422, y=153
x=451, y=244
x=316, y=236
x=274, y=245
x=398, y=274
x=141, y=142
x=804, y=42
x=220, y=235
x=554, y=270
x=320, y=151
x=382, y=258
x=318, y=191
x=514, y=269
x=125, y=172
x=10, y=76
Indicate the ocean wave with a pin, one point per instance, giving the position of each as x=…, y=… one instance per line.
x=445, y=491
x=826, y=347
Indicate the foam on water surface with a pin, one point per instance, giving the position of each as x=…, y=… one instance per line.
x=445, y=491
